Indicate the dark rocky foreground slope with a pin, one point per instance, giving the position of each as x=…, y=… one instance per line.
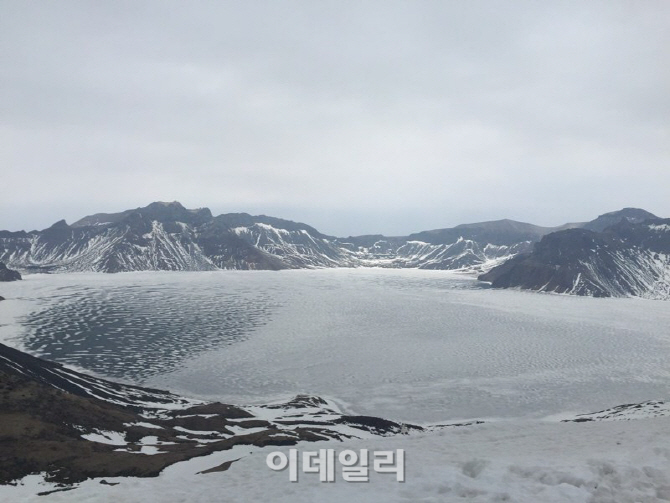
x=629, y=258
x=71, y=426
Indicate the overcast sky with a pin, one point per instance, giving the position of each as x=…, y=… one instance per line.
x=352, y=116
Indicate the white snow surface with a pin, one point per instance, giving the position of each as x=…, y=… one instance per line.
x=514, y=461
x=106, y=437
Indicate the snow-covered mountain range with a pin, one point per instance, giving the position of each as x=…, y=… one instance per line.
x=167, y=236
x=631, y=244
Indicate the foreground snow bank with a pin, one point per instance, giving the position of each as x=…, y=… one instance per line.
x=521, y=461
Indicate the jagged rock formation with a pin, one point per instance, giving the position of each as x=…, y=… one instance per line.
x=469, y=244
x=626, y=259
x=296, y=245
x=8, y=274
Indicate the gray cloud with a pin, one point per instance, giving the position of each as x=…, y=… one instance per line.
x=354, y=117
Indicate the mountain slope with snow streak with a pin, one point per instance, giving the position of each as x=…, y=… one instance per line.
x=297, y=248
x=627, y=259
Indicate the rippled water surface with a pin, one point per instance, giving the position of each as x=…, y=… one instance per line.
x=405, y=344
x=137, y=326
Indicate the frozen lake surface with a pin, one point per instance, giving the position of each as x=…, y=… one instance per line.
x=422, y=346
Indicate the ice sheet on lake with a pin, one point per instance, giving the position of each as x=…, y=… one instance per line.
x=409, y=345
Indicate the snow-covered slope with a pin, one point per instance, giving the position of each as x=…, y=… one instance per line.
x=70, y=426
x=128, y=246
x=461, y=254
x=473, y=247
x=297, y=248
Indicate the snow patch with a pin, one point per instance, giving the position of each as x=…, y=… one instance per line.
x=106, y=437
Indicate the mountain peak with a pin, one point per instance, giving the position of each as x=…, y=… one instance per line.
x=175, y=211
x=632, y=215
x=160, y=211
x=166, y=204
x=61, y=224
x=629, y=213
x=498, y=232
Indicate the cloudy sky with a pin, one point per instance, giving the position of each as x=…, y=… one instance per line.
x=353, y=116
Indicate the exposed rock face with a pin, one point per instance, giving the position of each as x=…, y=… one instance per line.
x=626, y=259
x=8, y=274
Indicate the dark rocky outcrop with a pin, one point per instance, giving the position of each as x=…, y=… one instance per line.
x=8, y=274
